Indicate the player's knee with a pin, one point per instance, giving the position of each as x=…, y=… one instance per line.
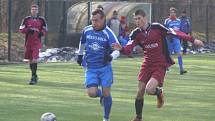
x=150, y=90
x=140, y=93
x=179, y=54
x=106, y=93
x=91, y=93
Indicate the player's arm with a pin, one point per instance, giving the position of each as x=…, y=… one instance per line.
x=115, y=52
x=24, y=29
x=44, y=29
x=81, y=49
x=130, y=45
x=185, y=37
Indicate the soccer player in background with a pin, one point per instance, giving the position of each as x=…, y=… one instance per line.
x=173, y=42
x=151, y=37
x=96, y=40
x=186, y=28
x=34, y=27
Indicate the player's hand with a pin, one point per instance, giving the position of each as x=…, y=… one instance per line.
x=198, y=43
x=107, y=58
x=116, y=46
x=40, y=34
x=35, y=29
x=171, y=31
x=80, y=59
x=30, y=31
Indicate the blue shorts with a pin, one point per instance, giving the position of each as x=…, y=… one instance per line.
x=174, y=45
x=99, y=77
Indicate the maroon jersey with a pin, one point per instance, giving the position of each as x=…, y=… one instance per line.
x=154, y=44
x=38, y=24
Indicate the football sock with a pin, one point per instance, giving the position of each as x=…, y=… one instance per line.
x=107, y=106
x=34, y=69
x=158, y=91
x=139, y=107
x=31, y=67
x=180, y=63
x=99, y=93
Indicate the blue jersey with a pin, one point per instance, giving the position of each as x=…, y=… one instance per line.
x=97, y=44
x=185, y=25
x=173, y=41
x=174, y=24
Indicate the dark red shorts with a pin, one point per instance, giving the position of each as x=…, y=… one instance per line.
x=157, y=72
x=31, y=53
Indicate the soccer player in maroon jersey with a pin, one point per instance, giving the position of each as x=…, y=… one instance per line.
x=151, y=37
x=34, y=27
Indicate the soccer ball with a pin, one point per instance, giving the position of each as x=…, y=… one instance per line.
x=48, y=117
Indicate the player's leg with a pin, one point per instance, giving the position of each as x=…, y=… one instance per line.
x=155, y=83
x=33, y=65
x=28, y=58
x=177, y=49
x=92, y=83
x=170, y=45
x=144, y=77
x=185, y=45
x=107, y=101
x=139, y=101
x=106, y=77
x=152, y=88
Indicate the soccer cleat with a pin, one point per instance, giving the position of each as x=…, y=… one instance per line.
x=104, y=119
x=160, y=100
x=136, y=119
x=33, y=80
x=101, y=101
x=183, y=72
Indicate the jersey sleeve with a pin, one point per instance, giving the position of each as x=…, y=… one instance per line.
x=112, y=38
x=133, y=41
x=44, y=29
x=23, y=27
x=83, y=38
x=181, y=35
x=82, y=44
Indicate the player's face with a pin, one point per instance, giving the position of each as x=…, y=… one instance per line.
x=172, y=13
x=97, y=22
x=34, y=11
x=183, y=14
x=140, y=21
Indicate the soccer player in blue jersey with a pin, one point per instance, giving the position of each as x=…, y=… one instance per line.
x=96, y=41
x=173, y=42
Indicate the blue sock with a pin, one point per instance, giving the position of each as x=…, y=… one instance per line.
x=107, y=106
x=180, y=63
x=99, y=93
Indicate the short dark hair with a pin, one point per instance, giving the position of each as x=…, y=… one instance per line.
x=34, y=6
x=99, y=11
x=184, y=11
x=172, y=9
x=140, y=12
x=100, y=7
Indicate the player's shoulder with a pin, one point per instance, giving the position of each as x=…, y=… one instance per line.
x=135, y=31
x=167, y=20
x=178, y=19
x=108, y=30
x=27, y=17
x=41, y=17
x=159, y=26
x=88, y=28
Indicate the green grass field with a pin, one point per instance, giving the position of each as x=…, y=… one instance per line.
x=190, y=97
